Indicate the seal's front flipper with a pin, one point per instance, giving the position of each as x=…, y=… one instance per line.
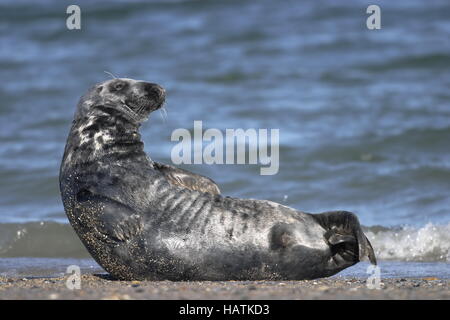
x=347, y=241
x=186, y=179
x=114, y=221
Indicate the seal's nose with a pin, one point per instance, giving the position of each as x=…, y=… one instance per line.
x=154, y=89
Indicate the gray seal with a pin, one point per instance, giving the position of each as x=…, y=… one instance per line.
x=141, y=219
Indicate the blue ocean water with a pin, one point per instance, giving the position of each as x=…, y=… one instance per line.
x=364, y=116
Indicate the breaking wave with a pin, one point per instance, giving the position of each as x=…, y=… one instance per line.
x=428, y=243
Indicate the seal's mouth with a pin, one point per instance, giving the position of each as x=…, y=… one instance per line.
x=142, y=106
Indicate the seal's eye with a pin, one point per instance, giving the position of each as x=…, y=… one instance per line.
x=117, y=86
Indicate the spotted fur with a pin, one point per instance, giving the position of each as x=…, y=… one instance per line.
x=143, y=220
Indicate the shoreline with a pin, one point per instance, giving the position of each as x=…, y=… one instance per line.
x=101, y=286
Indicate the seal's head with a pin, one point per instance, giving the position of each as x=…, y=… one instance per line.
x=132, y=98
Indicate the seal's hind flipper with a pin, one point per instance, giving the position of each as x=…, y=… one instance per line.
x=371, y=253
x=186, y=179
x=347, y=241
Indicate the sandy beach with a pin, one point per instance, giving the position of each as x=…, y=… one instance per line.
x=307, y=104
x=100, y=286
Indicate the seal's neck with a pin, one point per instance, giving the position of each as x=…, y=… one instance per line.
x=104, y=134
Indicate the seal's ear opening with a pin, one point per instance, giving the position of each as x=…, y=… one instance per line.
x=347, y=241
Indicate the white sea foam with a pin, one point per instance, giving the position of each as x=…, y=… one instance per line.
x=428, y=243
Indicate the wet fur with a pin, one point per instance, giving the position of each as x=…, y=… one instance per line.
x=143, y=220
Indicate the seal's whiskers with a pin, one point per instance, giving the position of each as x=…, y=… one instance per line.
x=110, y=74
x=163, y=113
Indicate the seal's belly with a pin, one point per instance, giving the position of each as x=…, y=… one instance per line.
x=235, y=239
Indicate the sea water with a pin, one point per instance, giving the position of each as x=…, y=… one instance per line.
x=363, y=115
